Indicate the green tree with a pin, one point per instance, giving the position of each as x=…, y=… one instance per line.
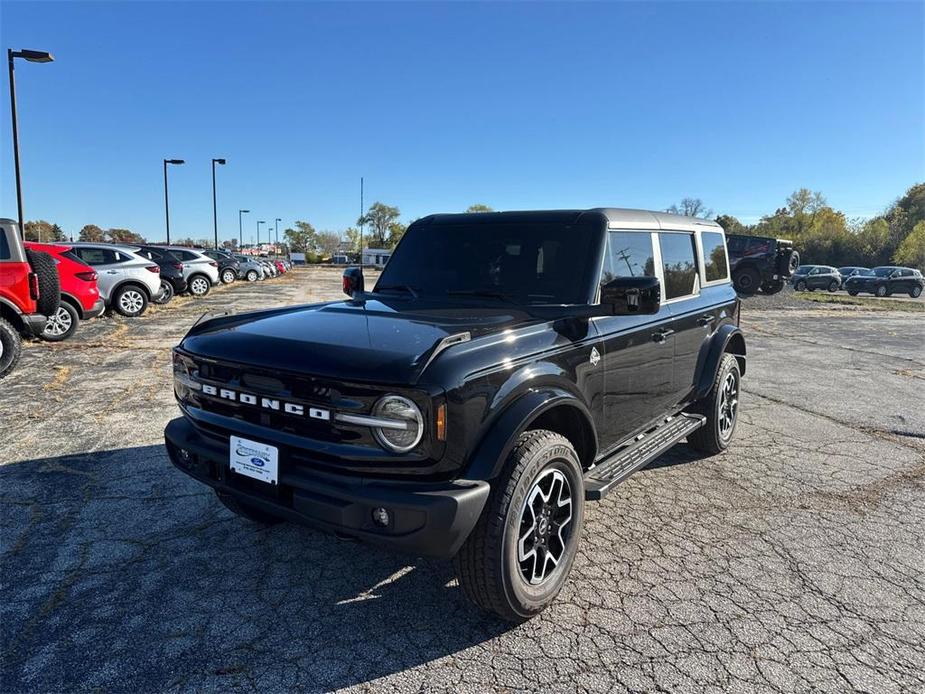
x=302, y=239
x=691, y=207
x=911, y=251
x=352, y=237
x=379, y=218
x=730, y=224
x=42, y=231
x=328, y=243
x=124, y=236
x=92, y=233
x=479, y=207
x=396, y=231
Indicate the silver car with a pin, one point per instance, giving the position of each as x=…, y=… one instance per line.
x=249, y=269
x=199, y=270
x=127, y=282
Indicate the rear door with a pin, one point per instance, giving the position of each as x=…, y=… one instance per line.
x=637, y=357
x=106, y=262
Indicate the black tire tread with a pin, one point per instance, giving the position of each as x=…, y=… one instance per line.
x=703, y=439
x=43, y=265
x=481, y=580
x=12, y=349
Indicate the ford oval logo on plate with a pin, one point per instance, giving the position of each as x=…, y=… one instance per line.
x=258, y=462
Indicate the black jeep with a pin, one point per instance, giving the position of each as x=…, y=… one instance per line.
x=504, y=369
x=761, y=263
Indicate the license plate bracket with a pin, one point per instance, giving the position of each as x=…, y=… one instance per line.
x=259, y=461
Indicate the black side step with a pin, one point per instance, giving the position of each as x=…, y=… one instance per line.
x=639, y=452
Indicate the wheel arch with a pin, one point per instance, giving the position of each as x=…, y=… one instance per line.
x=11, y=313
x=552, y=408
x=75, y=304
x=130, y=282
x=729, y=339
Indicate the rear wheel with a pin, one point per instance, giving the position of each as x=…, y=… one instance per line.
x=199, y=285
x=245, y=510
x=10, y=347
x=228, y=276
x=746, y=281
x=61, y=324
x=833, y=286
x=915, y=292
x=520, y=552
x=130, y=301
x=721, y=408
x=166, y=293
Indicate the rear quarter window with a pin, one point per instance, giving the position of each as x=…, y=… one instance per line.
x=714, y=256
x=5, y=253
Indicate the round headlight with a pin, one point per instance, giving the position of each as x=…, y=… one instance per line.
x=408, y=425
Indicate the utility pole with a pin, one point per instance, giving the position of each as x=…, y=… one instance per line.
x=362, y=213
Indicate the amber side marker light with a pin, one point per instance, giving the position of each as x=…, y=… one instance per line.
x=441, y=422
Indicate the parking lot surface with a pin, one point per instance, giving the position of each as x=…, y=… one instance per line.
x=796, y=561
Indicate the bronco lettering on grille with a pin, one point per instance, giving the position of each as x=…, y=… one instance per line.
x=265, y=403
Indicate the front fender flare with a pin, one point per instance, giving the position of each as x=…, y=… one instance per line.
x=492, y=452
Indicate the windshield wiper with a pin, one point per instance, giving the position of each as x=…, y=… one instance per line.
x=400, y=287
x=488, y=293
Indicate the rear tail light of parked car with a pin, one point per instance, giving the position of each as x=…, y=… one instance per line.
x=153, y=268
x=34, y=286
x=177, y=266
x=86, y=276
x=213, y=263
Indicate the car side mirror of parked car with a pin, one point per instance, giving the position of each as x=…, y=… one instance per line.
x=626, y=296
x=353, y=281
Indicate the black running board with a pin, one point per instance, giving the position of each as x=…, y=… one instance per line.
x=638, y=453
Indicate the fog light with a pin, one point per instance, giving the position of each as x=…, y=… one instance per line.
x=184, y=454
x=381, y=517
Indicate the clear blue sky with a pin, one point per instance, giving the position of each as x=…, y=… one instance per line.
x=443, y=105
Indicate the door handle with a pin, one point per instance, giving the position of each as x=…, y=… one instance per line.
x=661, y=336
x=705, y=319
x=112, y=272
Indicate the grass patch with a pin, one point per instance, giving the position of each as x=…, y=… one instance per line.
x=869, y=303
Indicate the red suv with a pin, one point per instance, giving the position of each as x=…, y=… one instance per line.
x=80, y=297
x=29, y=293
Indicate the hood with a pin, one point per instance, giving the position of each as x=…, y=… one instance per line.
x=376, y=341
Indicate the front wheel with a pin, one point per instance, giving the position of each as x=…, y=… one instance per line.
x=915, y=292
x=165, y=294
x=61, y=324
x=800, y=286
x=721, y=408
x=520, y=552
x=199, y=285
x=833, y=286
x=251, y=276
x=130, y=301
x=881, y=291
x=228, y=276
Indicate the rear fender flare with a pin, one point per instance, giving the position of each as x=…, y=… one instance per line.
x=492, y=452
x=728, y=339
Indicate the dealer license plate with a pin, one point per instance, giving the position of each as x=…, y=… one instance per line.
x=254, y=459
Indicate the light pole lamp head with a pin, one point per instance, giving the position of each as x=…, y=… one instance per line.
x=34, y=56
x=244, y=211
x=174, y=161
x=219, y=161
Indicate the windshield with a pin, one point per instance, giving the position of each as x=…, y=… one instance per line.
x=883, y=271
x=543, y=263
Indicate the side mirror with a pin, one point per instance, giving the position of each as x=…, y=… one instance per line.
x=627, y=296
x=353, y=281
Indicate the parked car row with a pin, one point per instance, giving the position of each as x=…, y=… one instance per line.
x=46, y=289
x=879, y=281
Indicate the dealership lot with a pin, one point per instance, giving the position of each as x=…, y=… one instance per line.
x=795, y=561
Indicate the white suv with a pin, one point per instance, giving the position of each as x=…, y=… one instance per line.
x=126, y=280
x=199, y=270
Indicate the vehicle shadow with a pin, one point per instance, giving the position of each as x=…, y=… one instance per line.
x=119, y=572
x=677, y=455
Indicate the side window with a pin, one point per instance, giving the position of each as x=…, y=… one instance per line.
x=714, y=256
x=5, y=253
x=185, y=255
x=678, y=264
x=628, y=254
x=97, y=256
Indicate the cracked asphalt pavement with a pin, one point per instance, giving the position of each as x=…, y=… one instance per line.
x=794, y=562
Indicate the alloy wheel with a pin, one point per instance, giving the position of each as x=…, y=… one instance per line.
x=545, y=526
x=228, y=276
x=131, y=301
x=59, y=323
x=198, y=286
x=728, y=405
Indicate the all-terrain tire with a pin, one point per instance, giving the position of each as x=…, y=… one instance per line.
x=715, y=435
x=772, y=287
x=746, y=281
x=62, y=324
x=245, y=510
x=487, y=565
x=43, y=265
x=10, y=347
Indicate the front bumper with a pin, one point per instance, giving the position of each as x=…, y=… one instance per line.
x=98, y=307
x=432, y=519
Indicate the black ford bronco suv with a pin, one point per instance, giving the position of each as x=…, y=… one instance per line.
x=505, y=369
x=761, y=263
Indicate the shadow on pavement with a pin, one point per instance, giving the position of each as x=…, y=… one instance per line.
x=121, y=573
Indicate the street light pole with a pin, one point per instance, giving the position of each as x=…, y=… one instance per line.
x=214, y=206
x=258, y=235
x=362, y=213
x=32, y=57
x=166, y=200
x=278, y=220
x=240, y=228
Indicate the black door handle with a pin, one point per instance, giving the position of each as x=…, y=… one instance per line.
x=705, y=319
x=661, y=336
